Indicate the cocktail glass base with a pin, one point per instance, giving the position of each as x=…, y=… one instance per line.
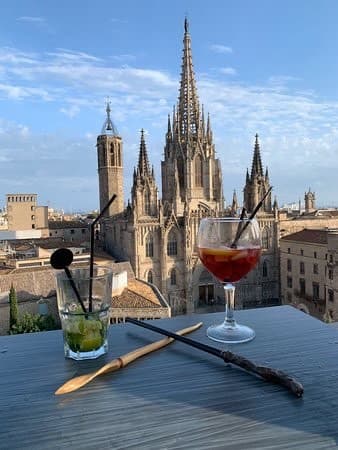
x=230, y=333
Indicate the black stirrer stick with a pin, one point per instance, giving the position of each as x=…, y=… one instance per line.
x=252, y=215
x=61, y=259
x=269, y=374
x=91, y=262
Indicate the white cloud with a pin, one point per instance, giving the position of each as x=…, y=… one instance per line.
x=71, y=111
x=297, y=128
x=217, y=48
x=31, y=19
x=228, y=70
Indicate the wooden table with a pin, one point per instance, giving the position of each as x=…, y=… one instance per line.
x=178, y=397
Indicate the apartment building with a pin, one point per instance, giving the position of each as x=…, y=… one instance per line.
x=309, y=272
x=23, y=213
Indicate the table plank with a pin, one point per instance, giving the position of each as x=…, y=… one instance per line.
x=178, y=397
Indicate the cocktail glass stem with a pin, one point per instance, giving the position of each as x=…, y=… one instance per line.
x=229, y=292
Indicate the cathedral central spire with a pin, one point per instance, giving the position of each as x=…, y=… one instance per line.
x=188, y=104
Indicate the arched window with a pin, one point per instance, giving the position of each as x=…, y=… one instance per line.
x=150, y=277
x=198, y=171
x=149, y=246
x=265, y=269
x=172, y=244
x=173, y=277
x=147, y=208
x=265, y=238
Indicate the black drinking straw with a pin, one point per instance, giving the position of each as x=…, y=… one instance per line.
x=61, y=259
x=91, y=262
x=252, y=215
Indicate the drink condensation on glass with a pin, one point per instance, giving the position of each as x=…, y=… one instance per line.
x=85, y=333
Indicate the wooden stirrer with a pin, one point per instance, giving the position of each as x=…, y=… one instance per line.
x=119, y=363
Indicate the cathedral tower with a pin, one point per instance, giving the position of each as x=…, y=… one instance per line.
x=110, y=166
x=257, y=183
x=310, y=201
x=190, y=172
x=144, y=190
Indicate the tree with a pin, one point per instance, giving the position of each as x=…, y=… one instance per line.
x=13, y=307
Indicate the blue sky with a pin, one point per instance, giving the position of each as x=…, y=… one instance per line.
x=266, y=67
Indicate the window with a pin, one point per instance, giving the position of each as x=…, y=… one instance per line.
x=147, y=209
x=289, y=250
x=149, y=246
x=330, y=274
x=84, y=230
x=172, y=244
x=289, y=265
x=150, y=277
x=315, y=268
x=33, y=217
x=72, y=231
x=302, y=286
x=330, y=294
x=173, y=277
x=265, y=269
x=315, y=255
x=32, y=208
x=33, y=225
x=301, y=268
x=265, y=238
x=289, y=282
x=198, y=171
x=302, y=252
x=331, y=259
x=315, y=291
x=289, y=297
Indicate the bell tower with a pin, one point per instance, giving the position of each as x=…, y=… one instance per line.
x=110, y=166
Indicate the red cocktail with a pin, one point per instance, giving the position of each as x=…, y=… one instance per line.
x=229, y=264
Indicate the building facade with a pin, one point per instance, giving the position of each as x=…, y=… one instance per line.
x=309, y=272
x=158, y=236
x=23, y=213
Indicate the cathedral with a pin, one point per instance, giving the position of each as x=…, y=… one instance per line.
x=158, y=234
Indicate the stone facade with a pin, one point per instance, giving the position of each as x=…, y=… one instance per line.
x=309, y=272
x=23, y=213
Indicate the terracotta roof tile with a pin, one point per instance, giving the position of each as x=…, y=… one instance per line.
x=308, y=235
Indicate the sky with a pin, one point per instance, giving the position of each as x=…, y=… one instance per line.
x=261, y=67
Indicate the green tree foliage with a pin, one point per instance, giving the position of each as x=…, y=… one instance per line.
x=31, y=323
x=13, y=307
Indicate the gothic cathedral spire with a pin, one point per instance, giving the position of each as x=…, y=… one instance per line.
x=188, y=104
x=144, y=191
x=189, y=153
x=257, y=184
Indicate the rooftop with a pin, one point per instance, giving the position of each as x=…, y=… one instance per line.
x=308, y=235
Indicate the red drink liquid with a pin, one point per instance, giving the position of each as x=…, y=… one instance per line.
x=229, y=264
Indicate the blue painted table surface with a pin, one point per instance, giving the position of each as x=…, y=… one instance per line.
x=177, y=397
